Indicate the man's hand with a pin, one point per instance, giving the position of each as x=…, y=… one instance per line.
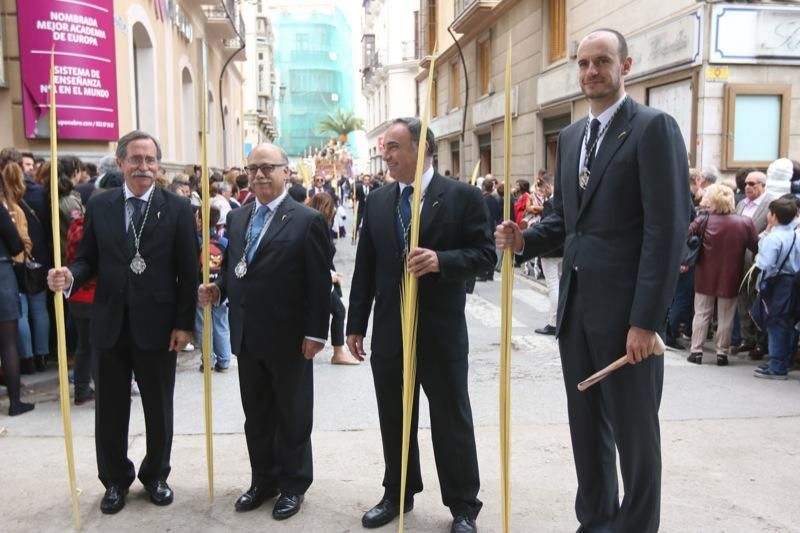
x=311, y=348
x=422, y=261
x=355, y=343
x=336, y=278
x=59, y=279
x=207, y=294
x=178, y=339
x=640, y=344
x=507, y=236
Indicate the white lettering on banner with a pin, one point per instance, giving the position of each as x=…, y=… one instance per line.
x=72, y=28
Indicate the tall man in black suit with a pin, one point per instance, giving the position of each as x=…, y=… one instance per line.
x=363, y=188
x=139, y=241
x=623, y=232
x=455, y=244
x=276, y=277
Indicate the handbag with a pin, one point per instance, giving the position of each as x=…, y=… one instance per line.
x=31, y=275
x=694, y=246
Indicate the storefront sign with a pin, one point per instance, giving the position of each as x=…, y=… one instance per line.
x=761, y=35
x=82, y=34
x=717, y=73
x=675, y=43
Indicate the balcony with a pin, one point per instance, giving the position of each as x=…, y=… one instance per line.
x=469, y=13
x=219, y=22
x=236, y=44
x=305, y=57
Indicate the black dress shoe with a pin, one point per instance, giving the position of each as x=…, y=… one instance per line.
x=40, y=361
x=547, y=330
x=384, y=512
x=463, y=524
x=113, y=500
x=254, y=497
x=287, y=506
x=160, y=493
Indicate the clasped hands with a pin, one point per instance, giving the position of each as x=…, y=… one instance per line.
x=208, y=293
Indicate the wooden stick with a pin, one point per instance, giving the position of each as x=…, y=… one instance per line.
x=205, y=214
x=507, y=287
x=408, y=298
x=58, y=300
x=658, y=349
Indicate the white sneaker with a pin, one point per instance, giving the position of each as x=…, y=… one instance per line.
x=189, y=347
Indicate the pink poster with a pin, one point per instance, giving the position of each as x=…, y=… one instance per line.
x=82, y=32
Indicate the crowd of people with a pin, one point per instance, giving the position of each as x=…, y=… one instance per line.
x=619, y=260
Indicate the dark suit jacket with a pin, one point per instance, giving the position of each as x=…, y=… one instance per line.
x=160, y=299
x=285, y=295
x=325, y=188
x=625, y=238
x=454, y=223
x=361, y=198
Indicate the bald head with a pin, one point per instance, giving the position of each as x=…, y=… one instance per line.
x=622, y=43
x=268, y=170
x=755, y=185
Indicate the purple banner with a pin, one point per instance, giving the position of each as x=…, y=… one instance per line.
x=82, y=32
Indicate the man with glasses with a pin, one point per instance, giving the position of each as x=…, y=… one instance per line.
x=321, y=185
x=276, y=276
x=755, y=206
x=139, y=244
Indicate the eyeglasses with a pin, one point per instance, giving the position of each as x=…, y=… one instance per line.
x=137, y=160
x=752, y=183
x=265, y=169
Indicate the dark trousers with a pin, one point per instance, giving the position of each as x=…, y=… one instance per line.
x=337, y=317
x=85, y=354
x=445, y=385
x=155, y=375
x=682, y=308
x=619, y=412
x=278, y=401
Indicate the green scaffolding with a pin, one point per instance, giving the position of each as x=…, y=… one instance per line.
x=314, y=59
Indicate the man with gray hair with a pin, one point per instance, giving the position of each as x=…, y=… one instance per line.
x=708, y=176
x=139, y=243
x=755, y=206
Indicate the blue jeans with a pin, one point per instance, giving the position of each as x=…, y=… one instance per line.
x=33, y=328
x=782, y=341
x=220, y=333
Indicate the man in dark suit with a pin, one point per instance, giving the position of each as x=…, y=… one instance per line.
x=455, y=244
x=623, y=232
x=276, y=277
x=363, y=188
x=321, y=185
x=139, y=241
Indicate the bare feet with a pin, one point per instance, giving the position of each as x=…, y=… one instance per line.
x=341, y=357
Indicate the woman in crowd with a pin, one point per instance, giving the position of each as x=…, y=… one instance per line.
x=14, y=183
x=11, y=245
x=719, y=269
x=69, y=204
x=323, y=202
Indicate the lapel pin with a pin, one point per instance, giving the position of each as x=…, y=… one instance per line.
x=158, y=215
x=435, y=203
x=283, y=218
x=621, y=135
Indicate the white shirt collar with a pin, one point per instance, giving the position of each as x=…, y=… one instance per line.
x=273, y=205
x=145, y=197
x=606, y=115
x=427, y=176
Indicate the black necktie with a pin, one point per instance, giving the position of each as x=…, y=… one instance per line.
x=135, y=217
x=594, y=129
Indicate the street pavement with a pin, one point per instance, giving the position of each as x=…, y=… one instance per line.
x=731, y=445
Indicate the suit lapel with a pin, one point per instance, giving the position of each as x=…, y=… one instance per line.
x=116, y=220
x=154, y=216
x=618, y=132
x=279, y=221
x=569, y=163
x=434, y=199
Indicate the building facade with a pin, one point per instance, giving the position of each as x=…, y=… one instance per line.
x=314, y=61
x=261, y=89
x=726, y=71
x=156, y=69
x=389, y=65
